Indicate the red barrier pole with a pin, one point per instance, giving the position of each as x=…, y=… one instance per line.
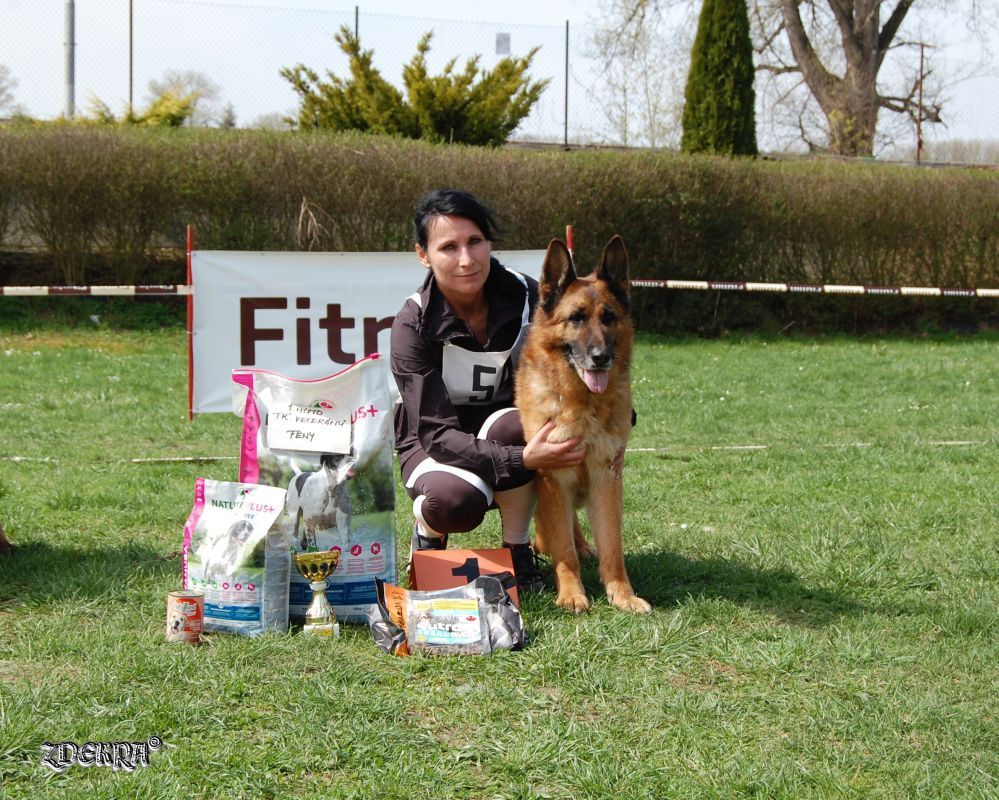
x=190, y=327
x=568, y=239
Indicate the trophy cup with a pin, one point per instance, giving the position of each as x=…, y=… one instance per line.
x=316, y=568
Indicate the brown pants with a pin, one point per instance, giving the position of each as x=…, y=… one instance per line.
x=450, y=499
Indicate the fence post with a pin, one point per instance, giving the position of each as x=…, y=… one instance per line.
x=70, y=58
x=565, y=132
x=131, y=57
x=190, y=324
x=919, y=116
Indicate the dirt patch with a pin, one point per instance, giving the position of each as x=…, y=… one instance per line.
x=67, y=340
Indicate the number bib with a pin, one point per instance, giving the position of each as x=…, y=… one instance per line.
x=477, y=377
x=472, y=377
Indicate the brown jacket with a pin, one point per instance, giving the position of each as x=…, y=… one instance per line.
x=426, y=419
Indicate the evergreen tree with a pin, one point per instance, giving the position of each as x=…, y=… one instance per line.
x=365, y=102
x=471, y=106
x=719, y=114
x=167, y=110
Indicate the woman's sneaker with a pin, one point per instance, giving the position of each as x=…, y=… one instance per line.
x=527, y=567
x=421, y=542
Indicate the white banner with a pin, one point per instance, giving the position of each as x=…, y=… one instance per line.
x=304, y=315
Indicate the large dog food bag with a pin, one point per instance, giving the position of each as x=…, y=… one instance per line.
x=329, y=443
x=235, y=551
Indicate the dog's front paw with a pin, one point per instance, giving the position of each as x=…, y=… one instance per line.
x=575, y=602
x=627, y=600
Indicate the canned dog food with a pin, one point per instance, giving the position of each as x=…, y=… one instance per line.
x=185, y=614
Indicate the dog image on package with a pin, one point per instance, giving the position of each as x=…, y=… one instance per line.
x=328, y=443
x=236, y=552
x=319, y=503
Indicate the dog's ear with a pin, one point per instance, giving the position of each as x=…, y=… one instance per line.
x=613, y=269
x=556, y=274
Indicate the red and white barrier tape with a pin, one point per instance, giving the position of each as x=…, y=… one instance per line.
x=93, y=291
x=157, y=460
x=724, y=286
x=808, y=288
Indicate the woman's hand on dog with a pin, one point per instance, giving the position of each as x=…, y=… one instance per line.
x=539, y=453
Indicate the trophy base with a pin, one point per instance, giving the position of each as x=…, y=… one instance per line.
x=329, y=630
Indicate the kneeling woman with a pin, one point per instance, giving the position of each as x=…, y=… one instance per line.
x=455, y=344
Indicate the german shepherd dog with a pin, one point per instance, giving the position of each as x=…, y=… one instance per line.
x=574, y=369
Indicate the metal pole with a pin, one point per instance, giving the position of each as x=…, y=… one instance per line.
x=70, y=56
x=919, y=116
x=190, y=324
x=357, y=20
x=131, y=60
x=565, y=131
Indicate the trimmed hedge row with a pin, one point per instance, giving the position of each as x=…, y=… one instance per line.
x=109, y=205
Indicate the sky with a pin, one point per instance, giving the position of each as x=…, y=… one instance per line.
x=241, y=45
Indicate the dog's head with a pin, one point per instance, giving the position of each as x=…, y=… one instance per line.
x=588, y=315
x=177, y=622
x=240, y=531
x=339, y=466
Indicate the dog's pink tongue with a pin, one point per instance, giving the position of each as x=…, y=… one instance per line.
x=595, y=380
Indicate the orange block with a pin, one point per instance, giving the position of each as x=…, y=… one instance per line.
x=447, y=569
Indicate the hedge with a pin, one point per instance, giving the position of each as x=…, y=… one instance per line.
x=108, y=205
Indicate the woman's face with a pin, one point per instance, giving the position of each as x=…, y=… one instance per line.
x=458, y=254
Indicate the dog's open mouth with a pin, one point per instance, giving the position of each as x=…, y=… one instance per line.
x=595, y=379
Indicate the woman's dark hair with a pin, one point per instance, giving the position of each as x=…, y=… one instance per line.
x=452, y=203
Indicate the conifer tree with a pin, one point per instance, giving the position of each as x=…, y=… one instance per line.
x=471, y=106
x=719, y=114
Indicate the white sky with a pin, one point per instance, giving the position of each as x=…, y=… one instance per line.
x=241, y=45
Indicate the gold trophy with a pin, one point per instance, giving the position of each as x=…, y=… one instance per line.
x=316, y=568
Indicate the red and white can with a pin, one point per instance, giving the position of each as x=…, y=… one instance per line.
x=185, y=615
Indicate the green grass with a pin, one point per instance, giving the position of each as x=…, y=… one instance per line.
x=825, y=619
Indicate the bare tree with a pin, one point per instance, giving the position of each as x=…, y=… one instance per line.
x=857, y=59
x=207, y=95
x=274, y=121
x=643, y=75
x=228, y=120
x=848, y=96
x=7, y=85
x=828, y=61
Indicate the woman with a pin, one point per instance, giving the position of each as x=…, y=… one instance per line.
x=454, y=348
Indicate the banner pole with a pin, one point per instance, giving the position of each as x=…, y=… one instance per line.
x=190, y=326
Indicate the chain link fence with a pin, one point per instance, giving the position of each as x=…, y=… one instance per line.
x=233, y=55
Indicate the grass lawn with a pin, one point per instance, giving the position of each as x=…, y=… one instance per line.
x=814, y=520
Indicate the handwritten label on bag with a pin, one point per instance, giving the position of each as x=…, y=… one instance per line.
x=308, y=430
